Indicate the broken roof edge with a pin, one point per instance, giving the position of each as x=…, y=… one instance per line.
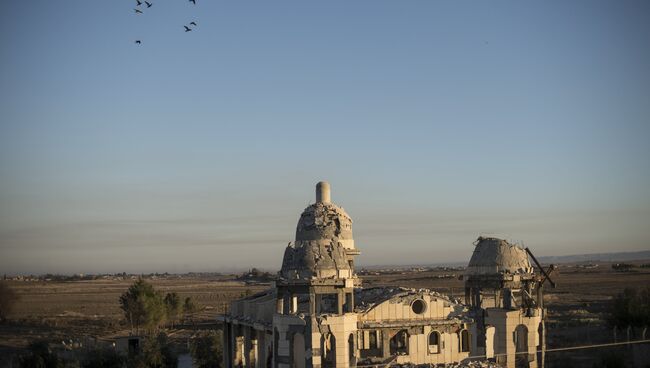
x=313, y=207
x=494, y=238
x=394, y=292
x=260, y=294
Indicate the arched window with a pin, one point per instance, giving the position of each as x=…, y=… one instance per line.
x=328, y=350
x=372, y=337
x=463, y=341
x=298, y=351
x=521, y=338
x=399, y=343
x=434, y=342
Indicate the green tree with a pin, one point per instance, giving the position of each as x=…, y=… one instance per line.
x=8, y=299
x=143, y=306
x=207, y=350
x=173, y=306
x=189, y=308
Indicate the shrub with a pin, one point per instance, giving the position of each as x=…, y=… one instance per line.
x=207, y=350
x=40, y=356
x=631, y=308
x=156, y=353
x=103, y=358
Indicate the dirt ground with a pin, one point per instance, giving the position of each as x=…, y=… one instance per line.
x=63, y=311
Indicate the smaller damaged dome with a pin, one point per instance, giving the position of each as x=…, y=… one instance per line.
x=493, y=256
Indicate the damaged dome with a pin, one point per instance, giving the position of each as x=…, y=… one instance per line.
x=324, y=245
x=496, y=256
x=325, y=221
x=314, y=259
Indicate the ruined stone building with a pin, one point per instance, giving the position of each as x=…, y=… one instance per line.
x=318, y=315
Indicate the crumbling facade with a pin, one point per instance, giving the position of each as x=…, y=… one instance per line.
x=505, y=296
x=318, y=315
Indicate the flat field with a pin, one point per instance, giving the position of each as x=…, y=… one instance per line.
x=63, y=311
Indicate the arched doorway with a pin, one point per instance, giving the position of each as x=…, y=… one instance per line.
x=328, y=350
x=298, y=351
x=521, y=339
x=352, y=351
x=269, y=358
x=463, y=341
x=521, y=346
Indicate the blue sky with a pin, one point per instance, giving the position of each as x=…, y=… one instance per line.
x=434, y=122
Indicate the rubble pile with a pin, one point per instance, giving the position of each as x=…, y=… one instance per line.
x=473, y=364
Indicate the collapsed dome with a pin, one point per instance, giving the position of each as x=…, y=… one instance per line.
x=324, y=243
x=493, y=256
x=312, y=259
x=325, y=221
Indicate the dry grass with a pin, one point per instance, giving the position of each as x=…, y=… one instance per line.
x=63, y=310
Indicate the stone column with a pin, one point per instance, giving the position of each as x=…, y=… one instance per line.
x=227, y=351
x=279, y=305
x=385, y=343
x=294, y=304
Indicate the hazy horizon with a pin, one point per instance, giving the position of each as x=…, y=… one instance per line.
x=434, y=122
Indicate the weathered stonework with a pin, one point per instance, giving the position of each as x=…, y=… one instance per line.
x=317, y=315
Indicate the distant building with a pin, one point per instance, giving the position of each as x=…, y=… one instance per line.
x=318, y=315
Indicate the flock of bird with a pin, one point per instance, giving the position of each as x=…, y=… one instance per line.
x=138, y=10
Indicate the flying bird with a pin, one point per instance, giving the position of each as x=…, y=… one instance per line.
x=187, y=29
x=193, y=2
x=138, y=11
x=139, y=2
x=148, y=4
x=138, y=42
x=193, y=23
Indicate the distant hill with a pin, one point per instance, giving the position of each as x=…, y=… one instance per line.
x=598, y=257
x=576, y=258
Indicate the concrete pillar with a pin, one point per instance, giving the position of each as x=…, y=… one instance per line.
x=349, y=302
x=240, y=353
x=323, y=192
x=233, y=345
x=287, y=303
x=542, y=337
x=317, y=303
x=254, y=352
x=489, y=342
x=279, y=305
x=312, y=303
x=294, y=304
x=385, y=343
x=227, y=348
